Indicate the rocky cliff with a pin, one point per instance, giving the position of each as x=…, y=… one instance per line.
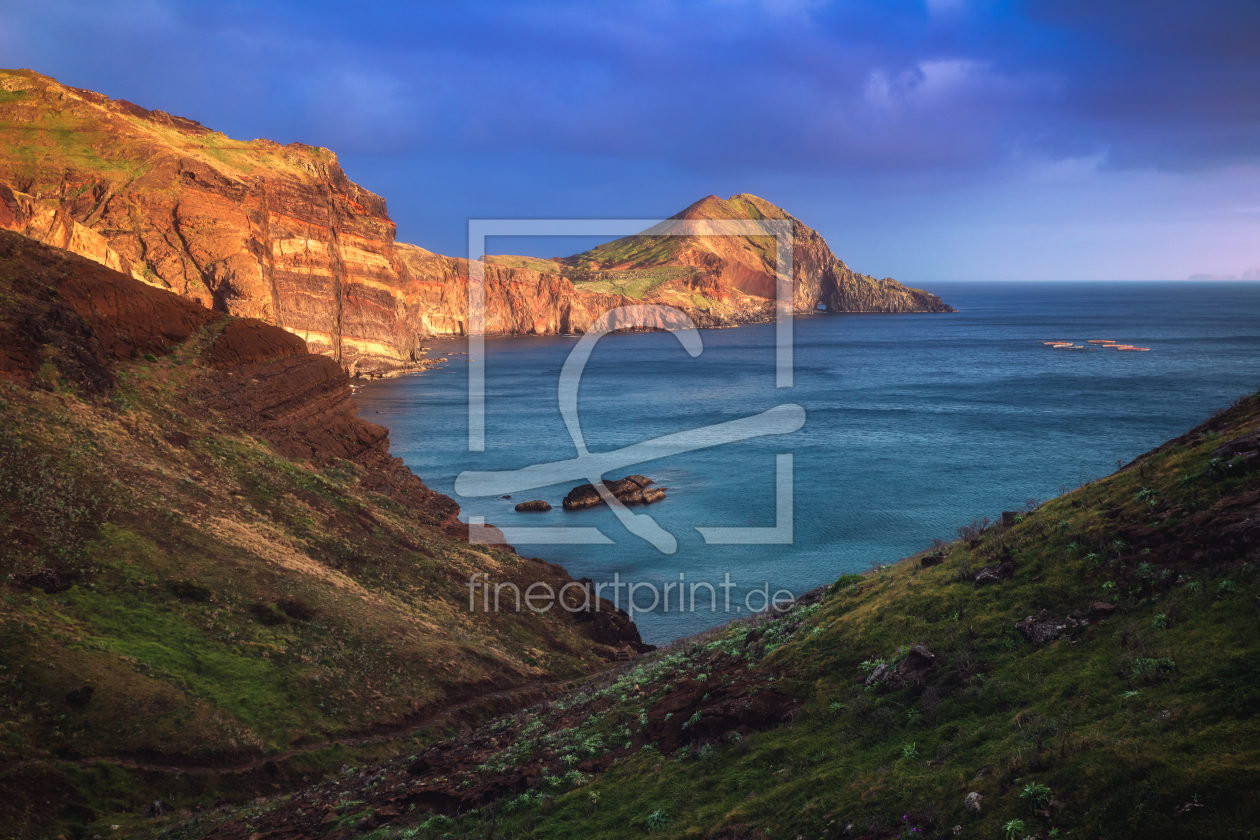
x=255, y=229
x=742, y=269
x=280, y=234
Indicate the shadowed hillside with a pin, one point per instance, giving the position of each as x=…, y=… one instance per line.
x=210, y=562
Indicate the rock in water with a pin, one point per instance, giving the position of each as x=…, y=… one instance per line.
x=535, y=505
x=631, y=491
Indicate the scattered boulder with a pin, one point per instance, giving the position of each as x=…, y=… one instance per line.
x=536, y=505
x=910, y=670
x=1040, y=628
x=973, y=803
x=913, y=668
x=931, y=560
x=806, y=599
x=1101, y=609
x=995, y=573
x=1238, y=446
x=157, y=808
x=631, y=491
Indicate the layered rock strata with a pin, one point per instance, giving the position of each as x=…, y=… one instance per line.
x=280, y=234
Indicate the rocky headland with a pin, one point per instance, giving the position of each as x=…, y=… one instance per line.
x=280, y=234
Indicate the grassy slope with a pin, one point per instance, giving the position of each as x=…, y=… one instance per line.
x=223, y=601
x=47, y=140
x=1149, y=710
x=644, y=252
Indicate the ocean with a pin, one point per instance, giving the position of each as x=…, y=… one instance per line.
x=914, y=426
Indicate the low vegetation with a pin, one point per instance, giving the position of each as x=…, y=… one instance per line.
x=178, y=594
x=1087, y=667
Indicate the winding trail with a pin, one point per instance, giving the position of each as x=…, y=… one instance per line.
x=253, y=764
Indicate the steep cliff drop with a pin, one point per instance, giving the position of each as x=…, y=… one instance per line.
x=279, y=233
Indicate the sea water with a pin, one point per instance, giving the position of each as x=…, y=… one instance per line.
x=915, y=425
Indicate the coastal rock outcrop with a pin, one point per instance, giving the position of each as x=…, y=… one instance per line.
x=631, y=491
x=537, y=505
x=279, y=233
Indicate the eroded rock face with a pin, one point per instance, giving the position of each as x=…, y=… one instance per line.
x=631, y=491
x=280, y=234
x=254, y=229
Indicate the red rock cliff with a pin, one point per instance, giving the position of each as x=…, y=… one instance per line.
x=279, y=233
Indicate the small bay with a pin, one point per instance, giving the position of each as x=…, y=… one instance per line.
x=916, y=424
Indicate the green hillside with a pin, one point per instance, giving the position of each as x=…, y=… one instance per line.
x=1126, y=708
x=180, y=588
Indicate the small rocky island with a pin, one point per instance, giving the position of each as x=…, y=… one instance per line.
x=536, y=505
x=631, y=491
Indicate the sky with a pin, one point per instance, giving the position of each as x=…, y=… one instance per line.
x=924, y=139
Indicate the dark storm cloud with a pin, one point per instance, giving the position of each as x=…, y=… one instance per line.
x=1045, y=138
x=785, y=85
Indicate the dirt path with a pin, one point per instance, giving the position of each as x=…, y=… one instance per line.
x=253, y=764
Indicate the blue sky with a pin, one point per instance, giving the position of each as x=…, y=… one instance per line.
x=926, y=140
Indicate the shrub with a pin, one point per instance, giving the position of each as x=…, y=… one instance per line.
x=1036, y=795
x=657, y=819
x=868, y=666
x=844, y=582
x=1215, y=469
